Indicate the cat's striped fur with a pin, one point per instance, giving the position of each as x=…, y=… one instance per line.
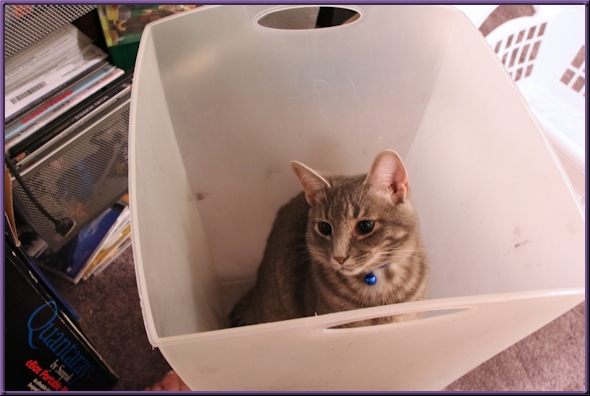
x=307, y=270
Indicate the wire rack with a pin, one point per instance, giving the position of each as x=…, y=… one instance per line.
x=80, y=183
x=86, y=177
x=27, y=24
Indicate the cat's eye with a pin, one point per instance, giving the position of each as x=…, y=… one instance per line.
x=324, y=228
x=365, y=226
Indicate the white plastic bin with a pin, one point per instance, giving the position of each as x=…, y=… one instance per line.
x=221, y=105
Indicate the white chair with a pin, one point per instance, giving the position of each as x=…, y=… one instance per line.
x=545, y=55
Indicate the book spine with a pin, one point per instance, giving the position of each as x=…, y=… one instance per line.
x=46, y=73
x=111, y=258
x=56, y=114
x=73, y=116
x=77, y=121
x=30, y=121
x=39, y=102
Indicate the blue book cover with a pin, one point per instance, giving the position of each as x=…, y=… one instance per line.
x=73, y=257
x=44, y=349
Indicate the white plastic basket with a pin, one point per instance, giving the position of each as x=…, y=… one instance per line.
x=545, y=55
x=553, y=82
x=221, y=105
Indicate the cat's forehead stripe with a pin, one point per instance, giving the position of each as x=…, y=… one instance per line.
x=348, y=201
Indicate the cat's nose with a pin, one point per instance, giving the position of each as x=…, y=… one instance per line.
x=341, y=260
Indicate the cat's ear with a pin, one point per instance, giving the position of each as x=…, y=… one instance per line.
x=312, y=183
x=388, y=175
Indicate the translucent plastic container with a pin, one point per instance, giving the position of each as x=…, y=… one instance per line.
x=221, y=105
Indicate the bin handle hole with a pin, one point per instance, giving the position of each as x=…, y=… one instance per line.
x=307, y=17
x=422, y=316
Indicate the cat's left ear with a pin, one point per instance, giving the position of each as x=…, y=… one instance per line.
x=312, y=183
x=388, y=174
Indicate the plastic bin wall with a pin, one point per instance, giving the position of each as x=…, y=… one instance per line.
x=221, y=105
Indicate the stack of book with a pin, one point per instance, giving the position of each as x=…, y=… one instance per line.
x=55, y=86
x=54, y=89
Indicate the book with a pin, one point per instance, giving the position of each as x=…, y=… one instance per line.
x=23, y=152
x=115, y=243
x=112, y=254
x=56, y=105
x=43, y=348
x=19, y=252
x=42, y=69
x=71, y=260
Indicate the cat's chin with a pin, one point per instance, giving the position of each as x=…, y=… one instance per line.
x=350, y=271
x=365, y=269
x=353, y=272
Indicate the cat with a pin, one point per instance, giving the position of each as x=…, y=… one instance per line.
x=343, y=243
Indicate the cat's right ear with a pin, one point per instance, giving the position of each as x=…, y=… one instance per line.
x=312, y=183
x=388, y=175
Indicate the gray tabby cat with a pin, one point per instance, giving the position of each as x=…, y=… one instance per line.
x=345, y=242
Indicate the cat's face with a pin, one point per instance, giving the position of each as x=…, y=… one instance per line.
x=359, y=223
x=354, y=229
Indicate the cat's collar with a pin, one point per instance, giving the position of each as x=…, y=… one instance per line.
x=370, y=278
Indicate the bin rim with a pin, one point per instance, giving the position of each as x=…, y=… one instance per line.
x=319, y=325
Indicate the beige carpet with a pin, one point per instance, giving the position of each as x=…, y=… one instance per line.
x=552, y=358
